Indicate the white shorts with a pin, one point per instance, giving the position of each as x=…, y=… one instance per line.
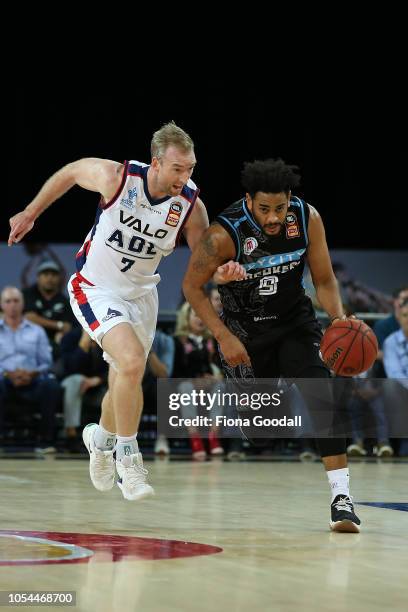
x=99, y=309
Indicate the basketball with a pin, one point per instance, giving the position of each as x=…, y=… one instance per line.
x=349, y=347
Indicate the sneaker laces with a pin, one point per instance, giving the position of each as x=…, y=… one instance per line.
x=135, y=472
x=103, y=461
x=344, y=503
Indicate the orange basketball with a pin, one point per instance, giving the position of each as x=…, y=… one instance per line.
x=349, y=347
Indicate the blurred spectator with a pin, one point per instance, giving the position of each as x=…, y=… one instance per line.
x=396, y=365
x=215, y=299
x=25, y=359
x=368, y=394
x=359, y=297
x=37, y=252
x=86, y=374
x=384, y=327
x=159, y=365
x=195, y=350
x=45, y=305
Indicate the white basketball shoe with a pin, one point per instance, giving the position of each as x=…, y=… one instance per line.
x=132, y=477
x=101, y=462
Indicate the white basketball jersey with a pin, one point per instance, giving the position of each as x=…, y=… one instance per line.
x=132, y=232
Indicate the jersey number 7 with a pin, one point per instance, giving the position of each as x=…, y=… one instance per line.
x=128, y=264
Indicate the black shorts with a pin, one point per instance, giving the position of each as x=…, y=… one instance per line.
x=293, y=352
x=289, y=351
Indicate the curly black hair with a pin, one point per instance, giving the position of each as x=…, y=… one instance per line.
x=269, y=176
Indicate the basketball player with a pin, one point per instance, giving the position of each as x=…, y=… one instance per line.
x=268, y=327
x=142, y=211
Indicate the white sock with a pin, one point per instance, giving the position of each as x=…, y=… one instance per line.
x=104, y=440
x=126, y=445
x=339, y=482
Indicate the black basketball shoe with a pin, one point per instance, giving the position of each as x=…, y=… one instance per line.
x=342, y=515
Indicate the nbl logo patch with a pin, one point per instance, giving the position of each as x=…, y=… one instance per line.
x=292, y=226
x=250, y=245
x=174, y=214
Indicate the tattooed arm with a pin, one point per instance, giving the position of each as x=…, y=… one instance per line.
x=213, y=250
x=194, y=230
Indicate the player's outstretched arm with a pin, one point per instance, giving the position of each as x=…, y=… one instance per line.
x=100, y=175
x=212, y=251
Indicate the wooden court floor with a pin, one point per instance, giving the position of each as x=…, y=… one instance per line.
x=262, y=527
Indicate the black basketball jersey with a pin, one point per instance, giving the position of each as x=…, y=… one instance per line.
x=273, y=293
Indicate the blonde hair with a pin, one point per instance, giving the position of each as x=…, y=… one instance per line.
x=183, y=322
x=170, y=134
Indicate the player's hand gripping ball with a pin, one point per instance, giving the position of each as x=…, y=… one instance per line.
x=349, y=347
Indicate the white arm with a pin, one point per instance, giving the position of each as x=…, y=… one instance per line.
x=100, y=175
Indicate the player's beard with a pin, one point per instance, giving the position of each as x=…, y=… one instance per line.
x=276, y=233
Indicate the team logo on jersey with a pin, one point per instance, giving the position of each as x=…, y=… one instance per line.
x=128, y=202
x=174, y=214
x=292, y=227
x=111, y=314
x=250, y=245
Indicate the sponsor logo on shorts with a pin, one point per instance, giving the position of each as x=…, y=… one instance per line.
x=250, y=245
x=265, y=318
x=111, y=314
